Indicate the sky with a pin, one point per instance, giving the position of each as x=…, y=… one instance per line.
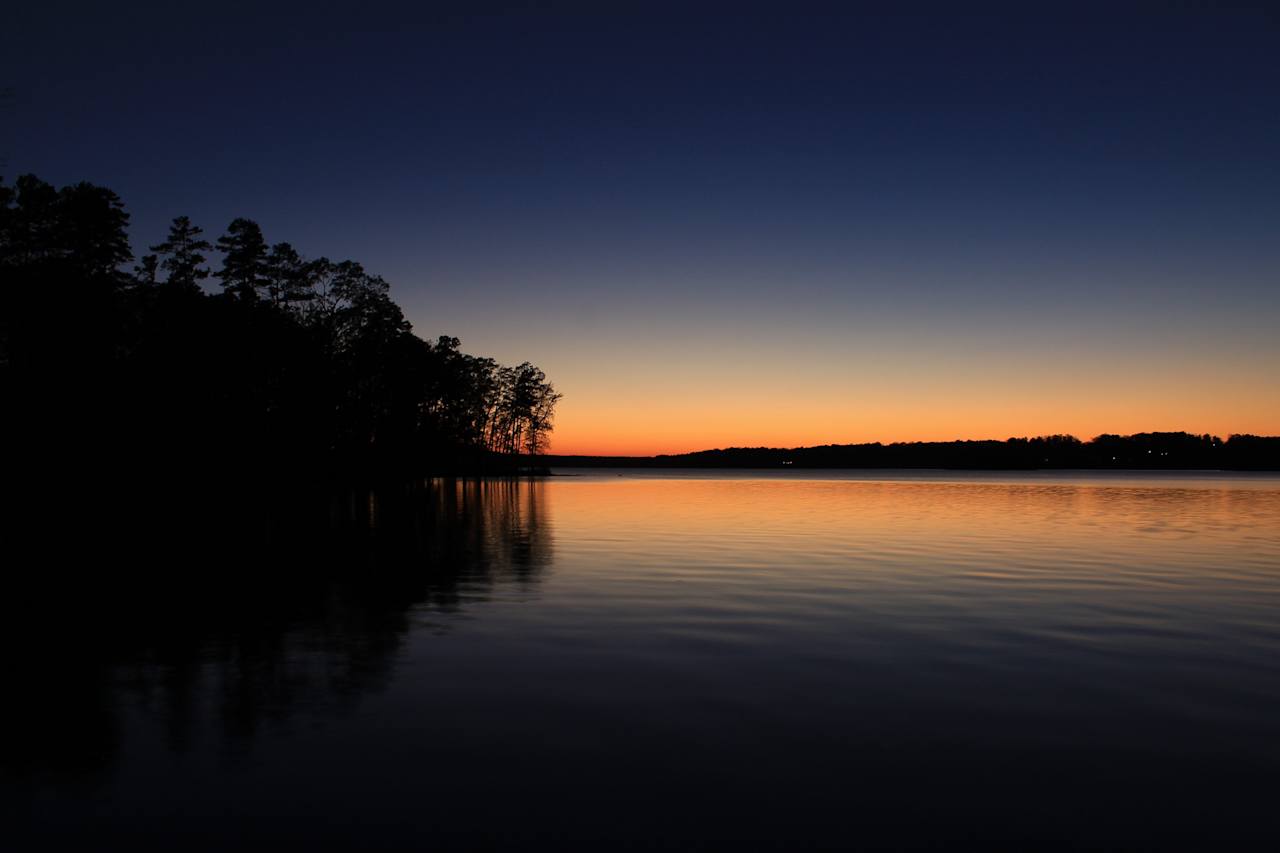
x=720, y=225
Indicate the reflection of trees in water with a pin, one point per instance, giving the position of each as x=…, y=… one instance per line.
x=470, y=534
x=239, y=619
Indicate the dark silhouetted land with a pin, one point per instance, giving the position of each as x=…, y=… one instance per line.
x=295, y=369
x=1148, y=450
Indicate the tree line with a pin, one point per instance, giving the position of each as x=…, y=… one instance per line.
x=265, y=361
x=1150, y=450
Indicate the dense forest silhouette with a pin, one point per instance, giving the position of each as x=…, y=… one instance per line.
x=1148, y=450
x=292, y=368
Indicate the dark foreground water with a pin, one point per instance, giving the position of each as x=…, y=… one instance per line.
x=605, y=661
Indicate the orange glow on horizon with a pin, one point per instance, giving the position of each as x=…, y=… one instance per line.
x=699, y=381
x=682, y=426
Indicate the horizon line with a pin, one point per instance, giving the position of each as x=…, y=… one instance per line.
x=1067, y=437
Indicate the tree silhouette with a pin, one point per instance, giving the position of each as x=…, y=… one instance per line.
x=306, y=367
x=82, y=228
x=525, y=404
x=146, y=270
x=181, y=255
x=244, y=259
x=28, y=230
x=290, y=279
x=93, y=230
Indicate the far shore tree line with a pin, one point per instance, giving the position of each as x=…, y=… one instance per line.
x=291, y=364
x=1148, y=450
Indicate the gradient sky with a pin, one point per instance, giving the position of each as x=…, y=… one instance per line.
x=719, y=225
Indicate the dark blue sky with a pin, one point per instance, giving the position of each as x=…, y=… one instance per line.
x=815, y=195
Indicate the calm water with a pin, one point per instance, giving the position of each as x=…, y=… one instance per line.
x=605, y=661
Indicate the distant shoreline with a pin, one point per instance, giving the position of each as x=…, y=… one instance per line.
x=1178, y=451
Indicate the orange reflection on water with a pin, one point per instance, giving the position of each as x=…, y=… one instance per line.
x=1161, y=532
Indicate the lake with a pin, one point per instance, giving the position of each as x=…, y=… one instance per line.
x=665, y=660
